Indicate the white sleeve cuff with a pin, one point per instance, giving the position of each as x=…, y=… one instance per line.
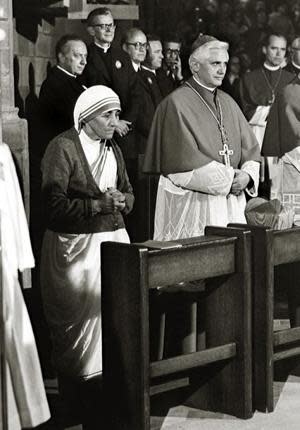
x=213, y=178
x=252, y=168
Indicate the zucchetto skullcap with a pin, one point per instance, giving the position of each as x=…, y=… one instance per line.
x=204, y=43
x=94, y=101
x=201, y=40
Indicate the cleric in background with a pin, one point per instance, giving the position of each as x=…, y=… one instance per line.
x=61, y=88
x=282, y=141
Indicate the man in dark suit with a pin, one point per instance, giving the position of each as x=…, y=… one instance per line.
x=170, y=74
x=152, y=92
x=134, y=42
x=151, y=96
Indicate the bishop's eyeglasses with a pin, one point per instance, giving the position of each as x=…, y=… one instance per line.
x=138, y=45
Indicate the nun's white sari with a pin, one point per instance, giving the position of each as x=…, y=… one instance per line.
x=71, y=271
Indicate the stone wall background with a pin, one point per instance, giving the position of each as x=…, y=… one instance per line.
x=31, y=59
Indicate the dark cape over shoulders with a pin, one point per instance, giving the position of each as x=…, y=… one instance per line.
x=254, y=90
x=283, y=126
x=185, y=136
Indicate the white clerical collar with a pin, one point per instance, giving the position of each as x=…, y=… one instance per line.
x=136, y=66
x=65, y=71
x=104, y=48
x=211, y=89
x=271, y=68
x=149, y=70
x=297, y=66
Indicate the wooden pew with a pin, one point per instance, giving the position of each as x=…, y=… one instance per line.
x=271, y=248
x=217, y=378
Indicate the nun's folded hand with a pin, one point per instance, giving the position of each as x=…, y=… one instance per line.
x=119, y=199
x=106, y=203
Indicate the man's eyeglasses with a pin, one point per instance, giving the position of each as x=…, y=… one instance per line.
x=174, y=52
x=138, y=45
x=105, y=27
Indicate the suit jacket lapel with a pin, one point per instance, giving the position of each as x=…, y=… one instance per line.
x=151, y=84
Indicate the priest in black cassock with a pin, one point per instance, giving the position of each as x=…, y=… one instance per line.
x=58, y=95
x=61, y=89
x=109, y=65
x=282, y=140
x=260, y=86
x=258, y=90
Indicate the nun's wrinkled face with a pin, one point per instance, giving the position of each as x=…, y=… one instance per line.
x=103, y=125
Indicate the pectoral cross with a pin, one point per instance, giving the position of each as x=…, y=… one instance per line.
x=225, y=152
x=272, y=99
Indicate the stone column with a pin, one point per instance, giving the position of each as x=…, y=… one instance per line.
x=14, y=129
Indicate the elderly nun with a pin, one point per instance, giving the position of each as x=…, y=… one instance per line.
x=86, y=192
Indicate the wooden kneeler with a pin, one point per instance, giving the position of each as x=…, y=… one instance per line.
x=271, y=248
x=217, y=378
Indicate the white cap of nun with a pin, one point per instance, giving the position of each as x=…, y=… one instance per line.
x=92, y=102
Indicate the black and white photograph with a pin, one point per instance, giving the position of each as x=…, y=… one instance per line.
x=149, y=214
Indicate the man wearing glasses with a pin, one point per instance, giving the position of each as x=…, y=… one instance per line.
x=170, y=75
x=134, y=42
x=109, y=65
